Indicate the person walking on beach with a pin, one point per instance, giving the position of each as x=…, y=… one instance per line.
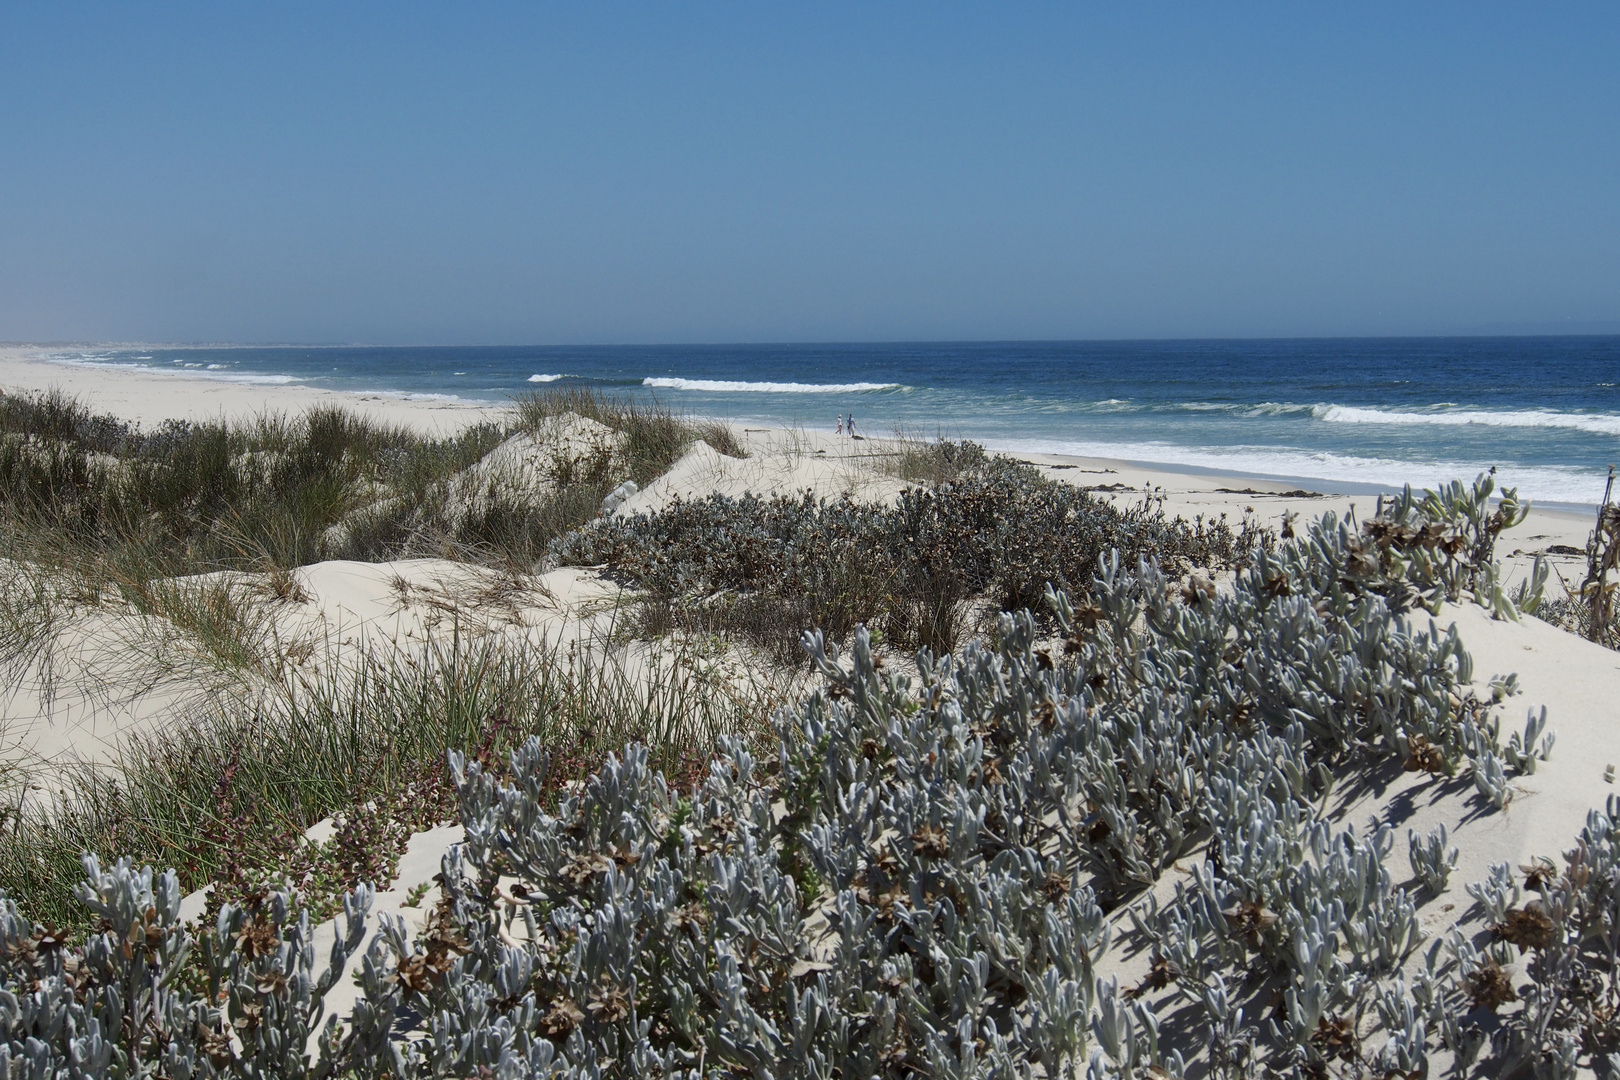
x=852, y=425
x=840, y=423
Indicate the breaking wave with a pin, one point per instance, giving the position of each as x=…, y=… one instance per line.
x=1595, y=423
x=1546, y=483
x=724, y=386
x=190, y=371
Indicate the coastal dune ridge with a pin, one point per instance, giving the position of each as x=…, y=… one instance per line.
x=567, y=584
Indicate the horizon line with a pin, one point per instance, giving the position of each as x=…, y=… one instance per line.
x=133, y=343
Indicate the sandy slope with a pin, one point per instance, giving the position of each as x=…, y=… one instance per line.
x=1579, y=685
x=117, y=675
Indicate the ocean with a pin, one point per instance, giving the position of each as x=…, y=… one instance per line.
x=1354, y=414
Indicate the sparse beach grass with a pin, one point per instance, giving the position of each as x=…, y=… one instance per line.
x=225, y=794
x=655, y=437
x=165, y=554
x=916, y=459
x=94, y=493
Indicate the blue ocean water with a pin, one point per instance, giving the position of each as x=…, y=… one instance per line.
x=1362, y=413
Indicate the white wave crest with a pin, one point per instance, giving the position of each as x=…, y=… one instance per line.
x=188, y=371
x=1544, y=483
x=409, y=395
x=1264, y=408
x=1595, y=423
x=723, y=386
x=540, y=378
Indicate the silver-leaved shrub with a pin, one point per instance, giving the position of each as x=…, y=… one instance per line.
x=931, y=875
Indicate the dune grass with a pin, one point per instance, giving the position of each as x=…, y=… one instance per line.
x=655, y=437
x=226, y=794
x=168, y=549
x=103, y=496
x=916, y=459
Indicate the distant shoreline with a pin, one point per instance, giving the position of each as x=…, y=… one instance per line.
x=151, y=397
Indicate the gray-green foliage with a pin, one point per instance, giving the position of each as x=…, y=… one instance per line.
x=927, y=875
x=998, y=532
x=126, y=1004
x=1440, y=544
x=1432, y=860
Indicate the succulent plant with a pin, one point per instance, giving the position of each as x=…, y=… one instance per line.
x=999, y=531
x=925, y=874
x=1432, y=861
x=125, y=1003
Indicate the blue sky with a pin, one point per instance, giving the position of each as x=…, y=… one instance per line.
x=608, y=172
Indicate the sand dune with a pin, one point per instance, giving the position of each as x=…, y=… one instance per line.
x=111, y=686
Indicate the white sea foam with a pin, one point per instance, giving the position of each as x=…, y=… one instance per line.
x=1595, y=423
x=540, y=378
x=188, y=370
x=1275, y=408
x=1546, y=483
x=1244, y=408
x=409, y=395
x=724, y=386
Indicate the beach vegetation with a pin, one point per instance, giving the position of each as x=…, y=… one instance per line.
x=93, y=493
x=939, y=874
x=1588, y=608
x=923, y=572
x=225, y=794
x=917, y=459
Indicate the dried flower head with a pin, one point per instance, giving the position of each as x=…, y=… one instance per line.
x=1335, y=1037
x=931, y=841
x=1489, y=987
x=1423, y=756
x=608, y=1003
x=1528, y=928
x=1538, y=872
x=257, y=937
x=1249, y=921
x=561, y=1019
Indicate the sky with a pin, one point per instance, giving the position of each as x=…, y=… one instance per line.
x=615, y=173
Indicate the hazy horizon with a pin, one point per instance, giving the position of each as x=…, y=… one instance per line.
x=832, y=342
x=512, y=174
